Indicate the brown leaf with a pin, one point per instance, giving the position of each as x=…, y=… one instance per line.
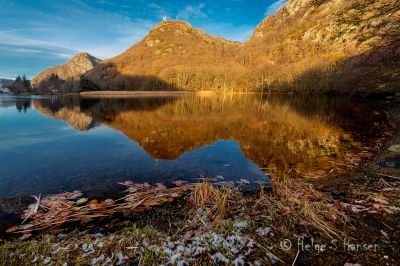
x=56, y=230
x=139, y=209
x=12, y=229
x=189, y=233
x=168, y=199
x=218, y=220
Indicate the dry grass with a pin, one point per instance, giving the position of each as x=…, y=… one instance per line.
x=294, y=202
x=53, y=250
x=292, y=205
x=119, y=94
x=212, y=199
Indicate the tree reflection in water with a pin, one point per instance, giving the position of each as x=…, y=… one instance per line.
x=312, y=135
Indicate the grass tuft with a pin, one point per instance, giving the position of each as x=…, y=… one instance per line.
x=210, y=198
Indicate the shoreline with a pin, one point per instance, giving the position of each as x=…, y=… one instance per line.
x=149, y=94
x=118, y=94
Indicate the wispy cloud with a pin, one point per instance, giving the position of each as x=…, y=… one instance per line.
x=23, y=30
x=79, y=29
x=37, y=34
x=159, y=10
x=125, y=40
x=26, y=45
x=193, y=12
x=271, y=9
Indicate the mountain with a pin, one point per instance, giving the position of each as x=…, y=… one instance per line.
x=72, y=115
x=309, y=41
x=5, y=83
x=173, y=52
x=307, y=45
x=66, y=77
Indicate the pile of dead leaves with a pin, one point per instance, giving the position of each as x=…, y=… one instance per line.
x=52, y=211
x=383, y=198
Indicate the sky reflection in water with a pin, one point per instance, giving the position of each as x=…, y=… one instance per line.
x=49, y=145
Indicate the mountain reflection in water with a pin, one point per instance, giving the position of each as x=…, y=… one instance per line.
x=185, y=138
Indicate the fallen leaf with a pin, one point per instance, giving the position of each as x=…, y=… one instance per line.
x=12, y=229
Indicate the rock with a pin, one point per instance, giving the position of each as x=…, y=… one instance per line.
x=394, y=148
x=5, y=83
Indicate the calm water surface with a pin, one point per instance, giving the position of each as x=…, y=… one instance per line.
x=55, y=144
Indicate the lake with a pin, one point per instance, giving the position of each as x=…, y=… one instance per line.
x=65, y=143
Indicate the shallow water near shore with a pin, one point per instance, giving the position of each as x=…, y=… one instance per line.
x=65, y=143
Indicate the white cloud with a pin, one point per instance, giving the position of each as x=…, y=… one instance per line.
x=271, y=9
x=192, y=12
x=159, y=10
x=23, y=29
x=128, y=36
x=65, y=39
x=25, y=45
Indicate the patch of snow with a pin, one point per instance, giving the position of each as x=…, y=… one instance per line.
x=219, y=257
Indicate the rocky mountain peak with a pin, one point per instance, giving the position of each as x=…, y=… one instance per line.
x=82, y=62
x=72, y=70
x=177, y=37
x=176, y=26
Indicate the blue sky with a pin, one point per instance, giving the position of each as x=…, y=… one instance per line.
x=38, y=34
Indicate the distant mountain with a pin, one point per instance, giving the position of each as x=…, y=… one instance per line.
x=65, y=78
x=5, y=83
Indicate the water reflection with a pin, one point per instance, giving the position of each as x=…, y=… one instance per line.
x=164, y=139
x=306, y=133
x=22, y=104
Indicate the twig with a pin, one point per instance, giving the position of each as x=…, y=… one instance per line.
x=389, y=227
x=34, y=210
x=37, y=203
x=390, y=176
